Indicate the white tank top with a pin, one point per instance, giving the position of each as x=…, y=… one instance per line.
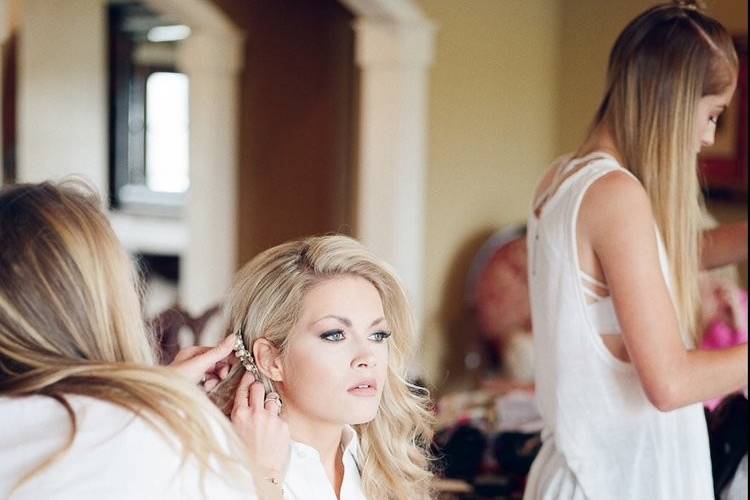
x=599, y=424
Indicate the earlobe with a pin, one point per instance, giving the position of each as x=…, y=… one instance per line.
x=268, y=358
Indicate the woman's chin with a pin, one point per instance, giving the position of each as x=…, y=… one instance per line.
x=362, y=417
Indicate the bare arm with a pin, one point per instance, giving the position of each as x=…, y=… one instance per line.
x=616, y=215
x=724, y=245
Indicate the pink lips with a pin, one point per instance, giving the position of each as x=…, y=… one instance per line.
x=364, y=388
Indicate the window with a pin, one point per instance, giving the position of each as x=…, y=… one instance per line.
x=149, y=111
x=167, y=132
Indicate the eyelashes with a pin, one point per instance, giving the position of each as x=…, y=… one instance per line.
x=338, y=336
x=379, y=336
x=333, y=336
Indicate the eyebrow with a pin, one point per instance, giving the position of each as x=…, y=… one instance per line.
x=346, y=321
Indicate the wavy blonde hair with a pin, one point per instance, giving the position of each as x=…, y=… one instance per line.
x=266, y=302
x=71, y=324
x=662, y=63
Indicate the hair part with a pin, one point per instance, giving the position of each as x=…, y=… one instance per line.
x=266, y=302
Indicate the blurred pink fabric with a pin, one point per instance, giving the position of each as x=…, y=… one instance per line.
x=726, y=319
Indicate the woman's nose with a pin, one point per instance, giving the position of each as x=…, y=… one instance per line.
x=365, y=358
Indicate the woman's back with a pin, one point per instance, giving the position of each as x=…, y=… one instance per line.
x=71, y=326
x=115, y=454
x=601, y=431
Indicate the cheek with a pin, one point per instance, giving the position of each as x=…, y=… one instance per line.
x=310, y=374
x=382, y=358
x=701, y=120
x=309, y=371
x=701, y=126
x=702, y=137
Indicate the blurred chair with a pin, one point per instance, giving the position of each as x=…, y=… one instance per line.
x=166, y=327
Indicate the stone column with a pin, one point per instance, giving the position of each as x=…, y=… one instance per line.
x=212, y=62
x=394, y=59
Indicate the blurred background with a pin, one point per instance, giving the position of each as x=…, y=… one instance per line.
x=217, y=128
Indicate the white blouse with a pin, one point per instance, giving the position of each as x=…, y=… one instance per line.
x=602, y=437
x=115, y=455
x=306, y=479
x=118, y=456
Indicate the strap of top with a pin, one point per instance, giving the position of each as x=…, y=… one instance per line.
x=565, y=166
x=583, y=159
x=591, y=294
x=592, y=281
x=554, y=183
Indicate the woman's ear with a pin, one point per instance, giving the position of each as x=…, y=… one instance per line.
x=268, y=359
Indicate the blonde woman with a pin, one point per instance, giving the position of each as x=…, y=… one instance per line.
x=85, y=411
x=614, y=254
x=324, y=334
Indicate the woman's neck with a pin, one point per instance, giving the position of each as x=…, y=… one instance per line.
x=600, y=139
x=325, y=438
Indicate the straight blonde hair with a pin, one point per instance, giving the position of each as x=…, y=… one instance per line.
x=266, y=302
x=663, y=62
x=71, y=324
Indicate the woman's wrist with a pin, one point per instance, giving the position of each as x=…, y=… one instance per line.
x=269, y=482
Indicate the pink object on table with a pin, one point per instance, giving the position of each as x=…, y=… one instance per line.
x=721, y=334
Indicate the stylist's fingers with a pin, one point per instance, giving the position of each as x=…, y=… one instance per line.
x=241, y=396
x=272, y=403
x=189, y=352
x=210, y=382
x=257, y=394
x=195, y=363
x=216, y=354
x=222, y=369
x=266, y=436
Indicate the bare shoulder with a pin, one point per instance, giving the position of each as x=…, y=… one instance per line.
x=619, y=187
x=615, y=199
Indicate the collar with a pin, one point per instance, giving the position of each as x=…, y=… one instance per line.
x=349, y=443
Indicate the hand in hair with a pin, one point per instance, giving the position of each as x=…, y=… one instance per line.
x=209, y=365
x=255, y=417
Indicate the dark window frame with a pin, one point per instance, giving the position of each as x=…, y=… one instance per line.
x=128, y=191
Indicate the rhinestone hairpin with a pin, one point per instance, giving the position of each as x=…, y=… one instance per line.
x=245, y=356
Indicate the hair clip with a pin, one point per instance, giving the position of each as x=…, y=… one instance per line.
x=695, y=5
x=245, y=356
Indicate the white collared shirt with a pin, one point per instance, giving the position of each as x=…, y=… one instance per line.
x=306, y=478
x=118, y=456
x=115, y=455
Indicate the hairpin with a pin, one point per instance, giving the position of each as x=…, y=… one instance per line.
x=245, y=356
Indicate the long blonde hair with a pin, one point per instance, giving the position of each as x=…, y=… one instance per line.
x=266, y=301
x=71, y=324
x=663, y=62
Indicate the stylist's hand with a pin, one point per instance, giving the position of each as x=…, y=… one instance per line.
x=255, y=417
x=209, y=365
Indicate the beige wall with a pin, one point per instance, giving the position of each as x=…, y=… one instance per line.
x=589, y=29
x=514, y=84
x=62, y=77
x=492, y=131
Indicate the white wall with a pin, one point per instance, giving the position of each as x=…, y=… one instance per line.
x=62, y=91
